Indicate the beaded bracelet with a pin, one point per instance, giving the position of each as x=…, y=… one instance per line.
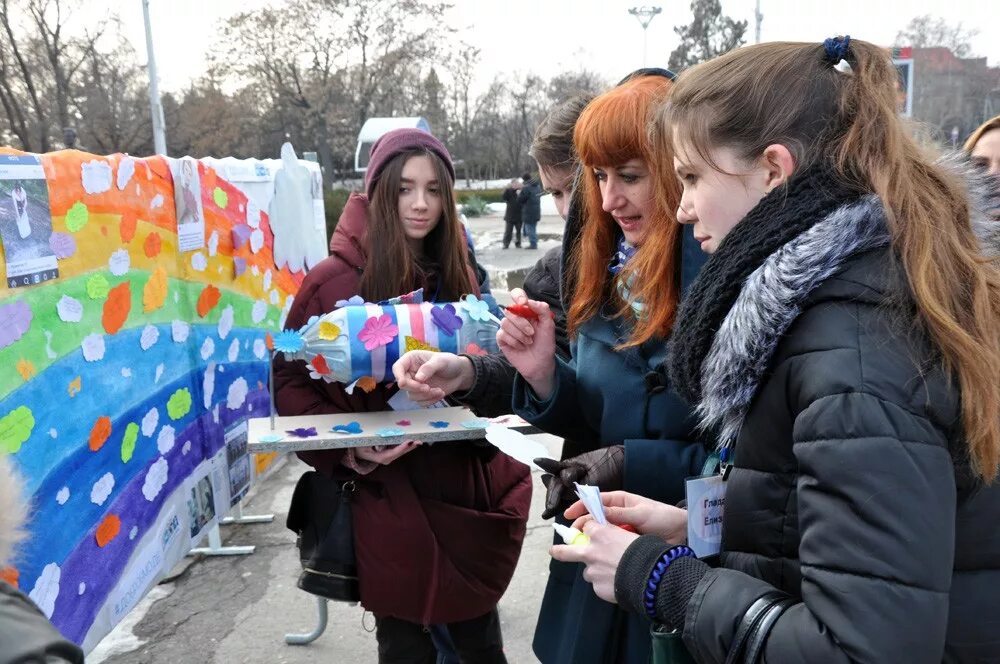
x=649, y=596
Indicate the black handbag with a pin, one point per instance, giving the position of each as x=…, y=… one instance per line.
x=320, y=516
x=668, y=647
x=748, y=644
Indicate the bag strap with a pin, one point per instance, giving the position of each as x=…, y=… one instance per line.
x=751, y=619
x=755, y=645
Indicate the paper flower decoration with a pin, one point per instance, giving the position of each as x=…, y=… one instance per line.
x=270, y=438
x=389, y=432
x=15, y=319
x=412, y=343
x=319, y=366
x=476, y=424
x=477, y=309
x=378, y=331
x=366, y=383
x=288, y=341
x=474, y=349
x=439, y=424
x=328, y=331
x=349, y=428
x=303, y=432
x=350, y=302
x=446, y=319
x=403, y=423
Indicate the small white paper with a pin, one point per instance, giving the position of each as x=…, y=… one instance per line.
x=591, y=497
x=150, y=335
x=93, y=347
x=256, y=241
x=96, y=176
x=199, y=262
x=213, y=243
x=706, y=502
x=70, y=310
x=119, y=263
x=516, y=445
x=187, y=202
x=126, y=168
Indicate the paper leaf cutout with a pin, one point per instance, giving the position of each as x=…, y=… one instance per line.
x=241, y=235
x=75, y=386
x=198, y=262
x=477, y=309
x=26, y=369
x=117, y=307
x=102, y=489
x=378, y=331
x=77, y=217
x=366, y=383
x=96, y=176
x=476, y=424
x=389, y=432
x=239, y=266
x=119, y=263
x=100, y=433
x=69, y=309
x=328, y=331
x=10, y=575
x=129, y=440
x=352, y=428
x=439, y=424
x=404, y=423
x=474, y=349
x=288, y=341
x=15, y=319
x=127, y=226
x=151, y=247
x=269, y=341
x=446, y=320
x=226, y=320
x=154, y=293
x=220, y=197
x=256, y=241
x=209, y=297
x=270, y=438
x=15, y=429
x=179, y=404
x=320, y=366
x=98, y=287
x=62, y=245
x=303, y=432
x=150, y=335
x=110, y=526
x=412, y=343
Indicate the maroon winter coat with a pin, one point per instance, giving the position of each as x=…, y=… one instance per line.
x=437, y=532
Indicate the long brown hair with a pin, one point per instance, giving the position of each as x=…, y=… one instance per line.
x=789, y=94
x=392, y=268
x=552, y=143
x=613, y=129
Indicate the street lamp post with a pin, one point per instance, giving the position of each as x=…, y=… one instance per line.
x=159, y=136
x=645, y=16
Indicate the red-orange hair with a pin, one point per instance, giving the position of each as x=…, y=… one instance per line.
x=613, y=129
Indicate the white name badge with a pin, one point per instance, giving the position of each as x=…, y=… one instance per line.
x=706, y=501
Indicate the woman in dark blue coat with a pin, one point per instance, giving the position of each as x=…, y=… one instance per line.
x=628, y=271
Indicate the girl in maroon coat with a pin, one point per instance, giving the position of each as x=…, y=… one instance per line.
x=437, y=528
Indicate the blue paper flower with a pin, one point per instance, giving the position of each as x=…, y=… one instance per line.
x=270, y=438
x=349, y=428
x=302, y=432
x=288, y=341
x=446, y=320
x=350, y=302
x=476, y=424
x=439, y=424
x=389, y=432
x=477, y=309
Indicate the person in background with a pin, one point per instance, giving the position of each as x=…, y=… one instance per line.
x=842, y=343
x=512, y=214
x=437, y=528
x=983, y=146
x=531, y=209
x=26, y=636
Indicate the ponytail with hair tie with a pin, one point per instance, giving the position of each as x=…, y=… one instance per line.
x=836, y=53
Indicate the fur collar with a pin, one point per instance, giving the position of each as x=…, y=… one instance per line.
x=772, y=295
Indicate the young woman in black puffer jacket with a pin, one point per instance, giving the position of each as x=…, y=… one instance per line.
x=843, y=343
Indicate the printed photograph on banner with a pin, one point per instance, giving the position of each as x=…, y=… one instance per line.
x=201, y=506
x=187, y=199
x=238, y=460
x=25, y=222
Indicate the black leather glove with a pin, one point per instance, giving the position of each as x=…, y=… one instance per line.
x=603, y=468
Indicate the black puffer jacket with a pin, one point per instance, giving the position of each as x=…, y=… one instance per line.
x=850, y=490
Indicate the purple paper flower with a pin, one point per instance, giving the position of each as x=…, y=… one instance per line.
x=446, y=319
x=439, y=424
x=353, y=301
x=62, y=244
x=378, y=331
x=349, y=428
x=241, y=235
x=302, y=432
x=15, y=319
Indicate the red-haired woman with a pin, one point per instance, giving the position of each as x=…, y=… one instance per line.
x=628, y=279
x=437, y=528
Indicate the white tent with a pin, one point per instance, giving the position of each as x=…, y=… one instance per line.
x=373, y=130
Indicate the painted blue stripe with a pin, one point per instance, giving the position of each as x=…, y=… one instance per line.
x=361, y=359
x=450, y=344
x=392, y=350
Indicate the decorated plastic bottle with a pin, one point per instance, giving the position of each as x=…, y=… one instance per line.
x=362, y=340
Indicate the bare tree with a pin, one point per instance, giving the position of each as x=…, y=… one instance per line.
x=929, y=31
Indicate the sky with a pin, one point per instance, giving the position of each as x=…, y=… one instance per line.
x=546, y=37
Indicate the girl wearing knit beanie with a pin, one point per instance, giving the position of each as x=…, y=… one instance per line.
x=437, y=528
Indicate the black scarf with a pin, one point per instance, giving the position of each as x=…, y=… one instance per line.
x=780, y=217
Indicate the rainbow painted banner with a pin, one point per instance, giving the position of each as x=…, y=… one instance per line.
x=128, y=369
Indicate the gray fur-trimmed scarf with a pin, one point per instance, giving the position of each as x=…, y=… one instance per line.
x=769, y=299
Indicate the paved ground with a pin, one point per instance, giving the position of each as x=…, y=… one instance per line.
x=229, y=610
x=507, y=267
